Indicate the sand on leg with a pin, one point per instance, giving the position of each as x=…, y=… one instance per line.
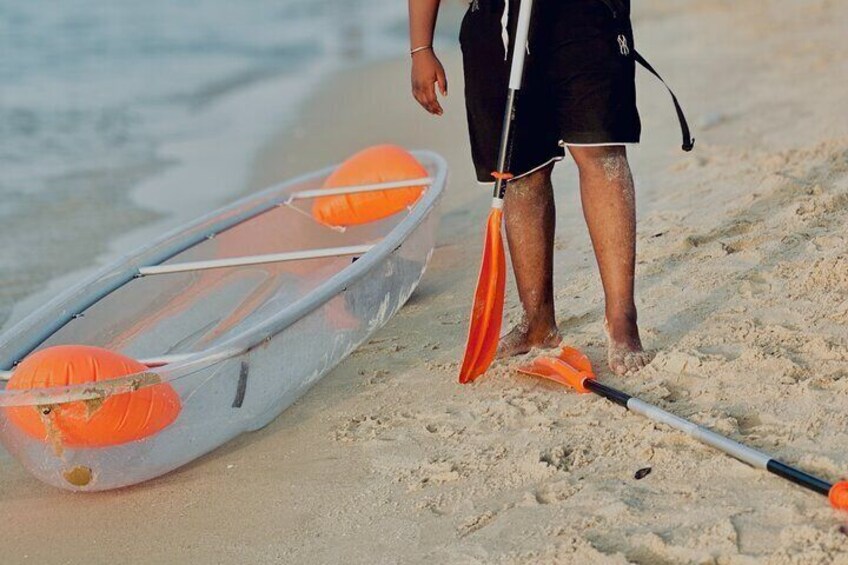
x=530, y=218
x=609, y=206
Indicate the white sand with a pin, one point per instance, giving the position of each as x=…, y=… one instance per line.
x=743, y=285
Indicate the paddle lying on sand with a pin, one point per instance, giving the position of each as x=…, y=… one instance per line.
x=573, y=369
x=487, y=311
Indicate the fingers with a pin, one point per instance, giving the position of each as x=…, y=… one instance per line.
x=442, y=81
x=427, y=74
x=435, y=108
x=425, y=94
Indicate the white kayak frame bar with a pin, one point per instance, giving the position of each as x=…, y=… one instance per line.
x=394, y=185
x=151, y=362
x=232, y=262
x=32, y=332
x=254, y=260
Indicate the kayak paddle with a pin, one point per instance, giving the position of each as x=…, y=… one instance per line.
x=487, y=311
x=573, y=369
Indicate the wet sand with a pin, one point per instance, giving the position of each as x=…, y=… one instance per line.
x=742, y=285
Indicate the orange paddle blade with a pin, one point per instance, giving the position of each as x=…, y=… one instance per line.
x=487, y=312
x=576, y=359
x=559, y=371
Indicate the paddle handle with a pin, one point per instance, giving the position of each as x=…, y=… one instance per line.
x=522, y=32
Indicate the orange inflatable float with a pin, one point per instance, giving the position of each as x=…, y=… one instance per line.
x=379, y=164
x=117, y=419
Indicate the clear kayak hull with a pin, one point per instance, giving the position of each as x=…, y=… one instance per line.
x=244, y=342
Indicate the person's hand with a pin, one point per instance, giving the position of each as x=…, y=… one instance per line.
x=427, y=72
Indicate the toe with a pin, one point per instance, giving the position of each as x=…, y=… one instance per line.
x=617, y=365
x=632, y=363
x=645, y=358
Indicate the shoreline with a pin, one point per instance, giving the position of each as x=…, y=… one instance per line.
x=177, y=185
x=182, y=188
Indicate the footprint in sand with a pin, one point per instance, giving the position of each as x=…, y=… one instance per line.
x=476, y=523
x=560, y=458
x=554, y=493
x=435, y=472
x=361, y=428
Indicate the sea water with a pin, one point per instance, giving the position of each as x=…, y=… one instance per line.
x=115, y=113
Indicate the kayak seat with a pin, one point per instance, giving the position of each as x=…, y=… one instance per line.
x=104, y=421
x=375, y=165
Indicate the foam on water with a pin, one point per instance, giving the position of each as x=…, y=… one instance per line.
x=183, y=94
x=88, y=84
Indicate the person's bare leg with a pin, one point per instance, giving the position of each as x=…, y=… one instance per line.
x=609, y=206
x=530, y=220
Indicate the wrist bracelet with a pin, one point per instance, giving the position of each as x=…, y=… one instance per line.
x=422, y=48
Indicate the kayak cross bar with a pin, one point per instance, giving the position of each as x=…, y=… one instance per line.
x=395, y=185
x=254, y=260
x=151, y=362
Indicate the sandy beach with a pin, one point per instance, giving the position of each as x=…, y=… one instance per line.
x=742, y=288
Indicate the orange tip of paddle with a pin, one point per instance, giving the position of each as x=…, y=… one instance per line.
x=559, y=371
x=838, y=495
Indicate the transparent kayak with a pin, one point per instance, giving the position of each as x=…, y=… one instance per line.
x=240, y=312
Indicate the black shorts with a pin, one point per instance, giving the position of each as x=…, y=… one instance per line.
x=579, y=80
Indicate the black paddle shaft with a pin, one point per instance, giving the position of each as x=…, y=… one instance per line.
x=505, y=150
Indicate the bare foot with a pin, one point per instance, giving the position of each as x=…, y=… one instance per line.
x=521, y=339
x=625, y=353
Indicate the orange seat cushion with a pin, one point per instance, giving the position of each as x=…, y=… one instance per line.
x=115, y=420
x=379, y=164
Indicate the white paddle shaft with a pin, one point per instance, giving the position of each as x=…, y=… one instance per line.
x=752, y=457
x=519, y=50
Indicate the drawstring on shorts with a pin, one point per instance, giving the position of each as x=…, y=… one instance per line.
x=505, y=31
